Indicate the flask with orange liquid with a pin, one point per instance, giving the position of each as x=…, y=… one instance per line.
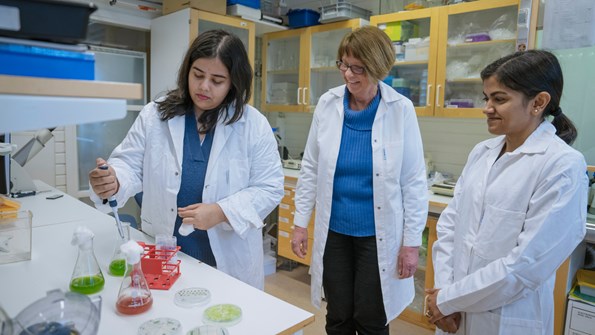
x=134, y=296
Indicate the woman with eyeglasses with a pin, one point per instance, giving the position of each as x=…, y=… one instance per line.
x=363, y=170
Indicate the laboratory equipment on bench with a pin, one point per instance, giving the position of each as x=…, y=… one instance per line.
x=160, y=266
x=444, y=188
x=87, y=277
x=56, y=314
x=134, y=296
x=114, y=205
x=222, y=315
x=117, y=264
x=161, y=326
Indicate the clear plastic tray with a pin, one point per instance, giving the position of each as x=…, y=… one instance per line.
x=342, y=11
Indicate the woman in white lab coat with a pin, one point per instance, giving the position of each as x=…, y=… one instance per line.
x=204, y=159
x=363, y=169
x=519, y=208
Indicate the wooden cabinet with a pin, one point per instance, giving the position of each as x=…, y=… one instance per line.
x=299, y=65
x=424, y=277
x=172, y=34
x=286, y=226
x=440, y=70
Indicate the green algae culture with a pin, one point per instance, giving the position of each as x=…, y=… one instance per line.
x=117, y=267
x=87, y=284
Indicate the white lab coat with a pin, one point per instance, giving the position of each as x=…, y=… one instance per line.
x=244, y=176
x=511, y=223
x=400, y=187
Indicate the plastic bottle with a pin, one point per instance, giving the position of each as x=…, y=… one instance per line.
x=117, y=265
x=87, y=277
x=134, y=296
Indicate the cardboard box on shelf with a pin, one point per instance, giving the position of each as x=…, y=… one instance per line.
x=213, y=6
x=580, y=318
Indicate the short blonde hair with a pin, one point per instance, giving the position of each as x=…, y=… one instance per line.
x=373, y=47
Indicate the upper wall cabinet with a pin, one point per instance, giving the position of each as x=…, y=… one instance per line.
x=300, y=65
x=442, y=50
x=172, y=34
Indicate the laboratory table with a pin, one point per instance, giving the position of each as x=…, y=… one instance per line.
x=60, y=210
x=53, y=259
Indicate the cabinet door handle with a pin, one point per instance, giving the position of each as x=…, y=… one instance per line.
x=438, y=95
x=428, y=95
x=304, y=96
x=299, y=92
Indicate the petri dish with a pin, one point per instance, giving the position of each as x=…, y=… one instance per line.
x=160, y=326
x=222, y=315
x=192, y=297
x=208, y=330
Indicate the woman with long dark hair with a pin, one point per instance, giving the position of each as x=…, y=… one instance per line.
x=206, y=161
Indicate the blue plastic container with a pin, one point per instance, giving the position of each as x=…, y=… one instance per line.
x=32, y=61
x=302, y=18
x=248, y=3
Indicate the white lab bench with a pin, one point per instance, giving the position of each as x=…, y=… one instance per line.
x=53, y=259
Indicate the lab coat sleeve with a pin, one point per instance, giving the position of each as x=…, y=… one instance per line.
x=305, y=193
x=554, y=226
x=127, y=159
x=414, y=184
x=443, y=248
x=248, y=207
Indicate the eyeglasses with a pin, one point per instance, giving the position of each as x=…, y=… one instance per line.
x=355, y=69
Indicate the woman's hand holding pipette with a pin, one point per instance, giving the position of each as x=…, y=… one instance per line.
x=103, y=181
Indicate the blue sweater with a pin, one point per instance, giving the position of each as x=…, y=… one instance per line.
x=352, y=211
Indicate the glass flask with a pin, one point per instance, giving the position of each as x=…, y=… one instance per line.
x=117, y=264
x=134, y=296
x=86, y=277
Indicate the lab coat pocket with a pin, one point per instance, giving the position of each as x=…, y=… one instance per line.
x=392, y=155
x=498, y=232
x=239, y=175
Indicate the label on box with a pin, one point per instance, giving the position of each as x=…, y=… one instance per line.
x=581, y=319
x=10, y=18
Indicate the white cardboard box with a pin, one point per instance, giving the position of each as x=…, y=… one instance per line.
x=580, y=318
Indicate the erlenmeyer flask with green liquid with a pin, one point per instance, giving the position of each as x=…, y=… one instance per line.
x=117, y=265
x=86, y=276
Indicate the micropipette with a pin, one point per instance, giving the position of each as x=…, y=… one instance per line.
x=114, y=205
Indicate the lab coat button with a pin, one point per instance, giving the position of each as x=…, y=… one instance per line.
x=172, y=209
x=383, y=270
x=176, y=173
x=380, y=239
x=378, y=174
x=379, y=207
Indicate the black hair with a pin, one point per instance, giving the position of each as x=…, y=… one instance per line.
x=531, y=72
x=230, y=50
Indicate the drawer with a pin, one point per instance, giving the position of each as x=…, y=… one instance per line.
x=286, y=210
x=284, y=248
x=286, y=223
x=289, y=195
